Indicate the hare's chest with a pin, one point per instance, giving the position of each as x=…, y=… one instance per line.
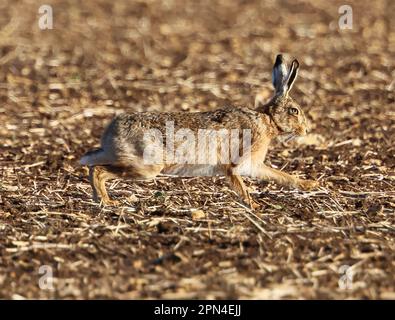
x=259, y=150
x=260, y=143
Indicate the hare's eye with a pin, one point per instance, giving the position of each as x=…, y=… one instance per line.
x=293, y=111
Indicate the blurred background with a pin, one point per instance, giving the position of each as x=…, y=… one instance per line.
x=59, y=87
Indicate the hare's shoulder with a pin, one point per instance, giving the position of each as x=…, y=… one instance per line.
x=235, y=117
x=242, y=117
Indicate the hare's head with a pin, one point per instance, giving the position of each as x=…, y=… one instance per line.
x=286, y=114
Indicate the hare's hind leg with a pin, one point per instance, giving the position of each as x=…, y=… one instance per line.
x=266, y=173
x=98, y=175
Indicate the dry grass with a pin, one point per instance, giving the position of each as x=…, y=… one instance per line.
x=58, y=89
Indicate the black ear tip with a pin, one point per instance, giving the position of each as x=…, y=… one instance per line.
x=296, y=62
x=279, y=60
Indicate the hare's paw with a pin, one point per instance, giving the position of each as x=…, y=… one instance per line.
x=251, y=203
x=110, y=202
x=307, y=185
x=254, y=205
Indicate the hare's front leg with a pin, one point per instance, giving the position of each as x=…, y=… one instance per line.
x=237, y=184
x=98, y=175
x=266, y=173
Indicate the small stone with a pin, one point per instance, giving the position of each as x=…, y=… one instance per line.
x=198, y=215
x=133, y=198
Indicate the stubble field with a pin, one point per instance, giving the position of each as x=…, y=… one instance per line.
x=60, y=87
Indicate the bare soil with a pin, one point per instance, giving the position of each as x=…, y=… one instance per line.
x=60, y=87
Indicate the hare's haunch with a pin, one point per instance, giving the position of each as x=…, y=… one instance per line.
x=231, y=141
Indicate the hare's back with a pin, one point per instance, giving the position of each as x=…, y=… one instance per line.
x=129, y=123
x=130, y=134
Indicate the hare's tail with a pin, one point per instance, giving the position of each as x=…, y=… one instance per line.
x=95, y=157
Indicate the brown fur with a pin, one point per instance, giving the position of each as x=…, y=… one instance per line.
x=122, y=146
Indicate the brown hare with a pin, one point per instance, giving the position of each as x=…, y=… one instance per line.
x=142, y=145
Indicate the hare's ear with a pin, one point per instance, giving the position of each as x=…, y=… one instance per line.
x=292, y=75
x=279, y=75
